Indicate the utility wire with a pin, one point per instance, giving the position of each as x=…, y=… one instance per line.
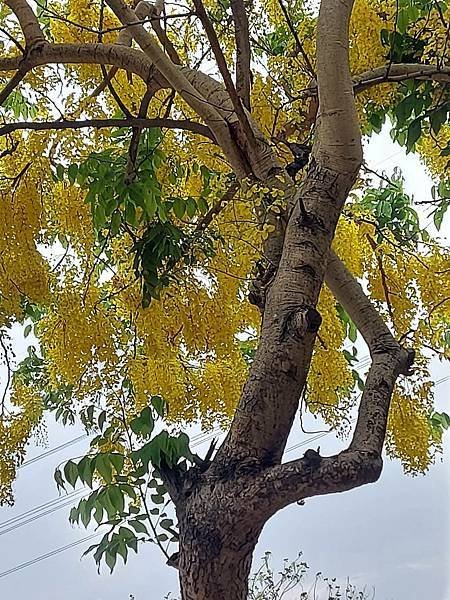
x=60, y=502
x=44, y=513
x=53, y=450
x=44, y=506
x=48, y=555
x=199, y=439
x=75, y=441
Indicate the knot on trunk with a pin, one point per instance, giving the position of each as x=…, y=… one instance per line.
x=409, y=355
x=304, y=320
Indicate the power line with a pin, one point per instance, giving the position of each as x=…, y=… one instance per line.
x=85, y=539
x=60, y=502
x=44, y=513
x=53, y=450
x=48, y=555
x=199, y=439
x=44, y=506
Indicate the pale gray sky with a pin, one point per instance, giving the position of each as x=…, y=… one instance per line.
x=393, y=534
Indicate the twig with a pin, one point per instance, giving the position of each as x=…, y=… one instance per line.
x=130, y=171
x=297, y=40
x=223, y=68
x=8, y=376
x=12, y=84
x=114, y=93
x=205, y=221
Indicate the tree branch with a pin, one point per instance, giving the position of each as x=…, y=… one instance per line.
x=389, y=359
x=243, y=51
x=12, y=84
x=361, y=463
x=162, y=35
x=394, y=73
x=136, y=136
x=103, y=123
x=122, y=57
x=313, y=475
x=28, y=22
x=175, y=77
x=225, y=73
x=335, y=90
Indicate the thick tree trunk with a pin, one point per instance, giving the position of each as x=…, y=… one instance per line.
x=212, y=575
x=219, y=522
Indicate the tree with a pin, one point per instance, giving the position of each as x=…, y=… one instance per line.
x=143, y=201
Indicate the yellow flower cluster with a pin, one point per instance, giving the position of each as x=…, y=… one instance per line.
x=429, y=148
x=330, y=380
x=76, y=330
x=409, y=436
x=15, y=431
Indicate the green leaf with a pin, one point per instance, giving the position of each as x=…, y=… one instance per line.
x=101, y=420
x=122, y=550
x=59, y=479
x=444, y=189
x=72, y=172
x=157, y=498
x=138, y=526
x=60, y=172
x=150, y=204
x=437, y=119
x=202, y=205
x=71, y=472
x=117, y=461
x=110, y=559
x=179, y=207
x=27, y=330
x=181, y=446
x=116, y=498
x=105, y=501
x=86, y=468
x=414, y=133
x=130, y=214
x=104, y=467
x=166, y=524
x=143, y=424
x=439, y=213
x=116, y=221
x=85, y=512
x=159, y=405
x=73, y=515
x=191, y=207
x=98, y=514
x=402, y=21
x=99, y=216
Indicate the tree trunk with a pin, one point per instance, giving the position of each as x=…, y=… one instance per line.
x=217, y=540
x=211, y=573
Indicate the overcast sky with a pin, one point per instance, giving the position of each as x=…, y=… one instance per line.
x=393, y=535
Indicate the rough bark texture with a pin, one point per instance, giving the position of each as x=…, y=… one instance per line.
x=223, y=504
